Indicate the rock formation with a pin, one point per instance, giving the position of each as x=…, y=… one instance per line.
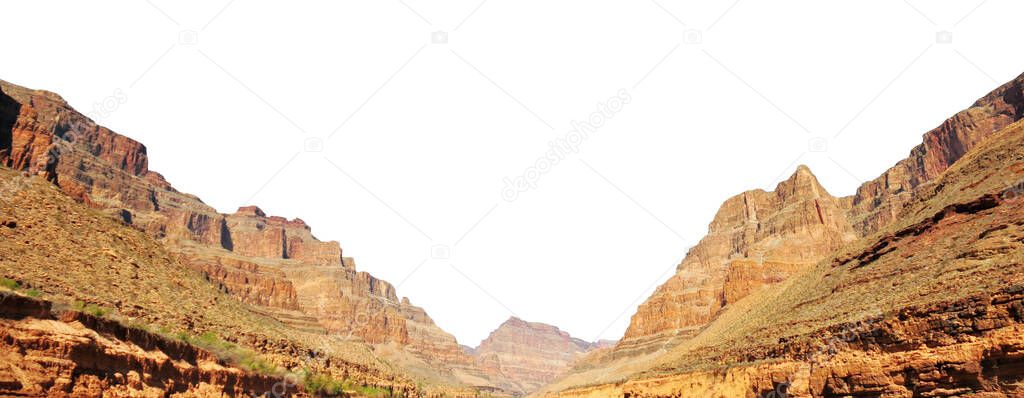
x=70, y=353
x=911, y=287
x=59, y=249
x=269, y=262
x=757, y=238
x=760, y=238
x=529, y=354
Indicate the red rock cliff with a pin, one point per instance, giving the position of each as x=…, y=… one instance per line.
x=530, y=354
x=760, y=238
x=266, y=261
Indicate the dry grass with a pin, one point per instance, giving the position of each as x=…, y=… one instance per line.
x=960, y=256
x=70, y=253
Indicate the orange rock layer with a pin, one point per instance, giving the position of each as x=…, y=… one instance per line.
x=761, y=238
x=266, y=261
x=69, y=353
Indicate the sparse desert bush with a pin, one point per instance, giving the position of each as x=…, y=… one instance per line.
x=320, y=384
x=13, y=285
x=91, y=309
x=230, y=352
x=9, y=283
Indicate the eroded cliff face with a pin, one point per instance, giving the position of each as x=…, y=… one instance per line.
x=878, y=202
x=760, y=238
x=69, y=353
x=67, y=252
x=269, y=262
x=920, y=296
x=529, y=354
x=757, y=238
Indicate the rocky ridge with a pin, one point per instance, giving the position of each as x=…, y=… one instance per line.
x=760, y=238
x=530, y=354
x=269, y=262
x=885, y=304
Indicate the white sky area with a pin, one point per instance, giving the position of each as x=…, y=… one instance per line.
x=725, y=96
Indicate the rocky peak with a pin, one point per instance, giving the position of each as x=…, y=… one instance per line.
x=760, y=238
x=756, y=239
x=270, y=262
x=251, y=211
x=802, y=185
x=529, y=354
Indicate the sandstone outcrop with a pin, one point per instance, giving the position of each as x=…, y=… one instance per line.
x=919, y=296
x=66, y=252
x=69, y=353
x=270, y=262
x=757, y=238
x=760, y=238
x=529, y=354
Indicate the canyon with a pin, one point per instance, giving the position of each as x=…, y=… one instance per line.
x=275, y=268
x=912, y=286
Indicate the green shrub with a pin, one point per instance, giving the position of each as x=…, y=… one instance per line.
x=9, y=283
x=251, y=362
x=230, y=352
x=184, y=337
x=91, y=309
x=96, y=311
x=322, y=384
x=371, y=391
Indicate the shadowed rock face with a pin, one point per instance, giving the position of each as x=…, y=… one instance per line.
x=529, y=354
x=762, y=238
x=270, y=262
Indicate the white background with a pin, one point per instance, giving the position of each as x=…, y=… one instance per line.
x=431, y=130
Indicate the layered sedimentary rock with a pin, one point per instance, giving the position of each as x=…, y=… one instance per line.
x=266, y=261
x=760, y=238
x=78, y=257
x=757, y=238
x=877, y=202
x=69, y=353
x=530, y=354
x=920, y=297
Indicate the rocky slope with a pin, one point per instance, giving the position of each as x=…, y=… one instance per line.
x=757, y=238
x=934, y=235
x=529, y=354
x=70, y=353
x=760, y=238
x=270, y=263
x=66, y=252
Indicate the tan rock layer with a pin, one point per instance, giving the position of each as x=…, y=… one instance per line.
x=529, y=354
x=74, y=354
x=944, y=349
x=263, y=260
x=931, y=305
x=760, y=238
